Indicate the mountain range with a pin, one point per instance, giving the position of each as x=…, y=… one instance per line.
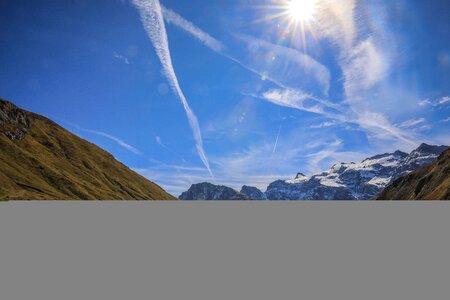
x=40, y=160
x=344, y=181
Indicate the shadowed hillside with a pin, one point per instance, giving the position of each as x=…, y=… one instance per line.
x=431, y=182
x=41, y=160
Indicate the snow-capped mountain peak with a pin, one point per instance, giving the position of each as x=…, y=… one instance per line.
x=356, y=181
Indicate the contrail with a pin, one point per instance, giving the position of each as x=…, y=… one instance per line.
x=322, y=74
x=152, y=19
x=276, y=141
x=172, y=17
x=108, y=136
x=159, y=142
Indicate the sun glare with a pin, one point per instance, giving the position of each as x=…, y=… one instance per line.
x=302, y=10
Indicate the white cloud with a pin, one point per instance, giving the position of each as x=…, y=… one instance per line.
x=364, y=66
x=121, y=57
x=337, y=22
x=445, y=120
x=444, y=100
x=289, y=67
x=152, y=19
x=435, y=102
x=380, y=127
x=324, y=125
x=425, y=102
x=291, y=98
x=297, y=99
x=366, y=53
x=412, y=122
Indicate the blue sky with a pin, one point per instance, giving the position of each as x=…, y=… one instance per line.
x=232, y=92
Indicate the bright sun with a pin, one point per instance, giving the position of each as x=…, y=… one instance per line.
x=302, y=10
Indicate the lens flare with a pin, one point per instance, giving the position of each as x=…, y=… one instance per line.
x=301, y=10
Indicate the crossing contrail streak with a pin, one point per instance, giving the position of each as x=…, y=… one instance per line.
x=152, y=19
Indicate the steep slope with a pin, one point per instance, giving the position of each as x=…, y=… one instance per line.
x=208, y=191
x=431, y=182
x=41, y=160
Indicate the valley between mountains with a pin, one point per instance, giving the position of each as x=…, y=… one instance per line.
x=40, y=160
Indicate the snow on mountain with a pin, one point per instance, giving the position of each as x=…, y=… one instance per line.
x=354, y=181
x=344, y=181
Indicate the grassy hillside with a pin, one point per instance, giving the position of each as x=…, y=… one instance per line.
x=41, y=160
x=431, y=182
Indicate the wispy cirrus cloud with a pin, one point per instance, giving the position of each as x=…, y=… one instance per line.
x=152, y=19
x=121, y=57
x=445, y=120
x=444, y=100
x=338, y=23
x=290, y=67
x=363, y=67
x=292, y=99
x=435, y=102
x=366, y=51
x=286, y=67
x=378, y=126
x=324, y=125
x=412, y=122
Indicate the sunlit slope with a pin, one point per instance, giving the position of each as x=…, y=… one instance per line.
x=41, y=160
x=431, y=182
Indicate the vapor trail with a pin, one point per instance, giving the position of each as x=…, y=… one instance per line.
x=276, y=141
x=108, y=136
x=159, y=142
x=152, y=19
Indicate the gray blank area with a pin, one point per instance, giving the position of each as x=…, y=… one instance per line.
x=215, y=251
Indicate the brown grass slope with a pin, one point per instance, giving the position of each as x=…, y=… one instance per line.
x=431, y=182
x=41, y=160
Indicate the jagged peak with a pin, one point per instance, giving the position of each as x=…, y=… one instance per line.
x=432, y=149
x=384, y=155
x=300, y=175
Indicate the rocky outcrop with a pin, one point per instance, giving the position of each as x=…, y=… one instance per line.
x=253, y=193
x=208, y=191
x=14, y=122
